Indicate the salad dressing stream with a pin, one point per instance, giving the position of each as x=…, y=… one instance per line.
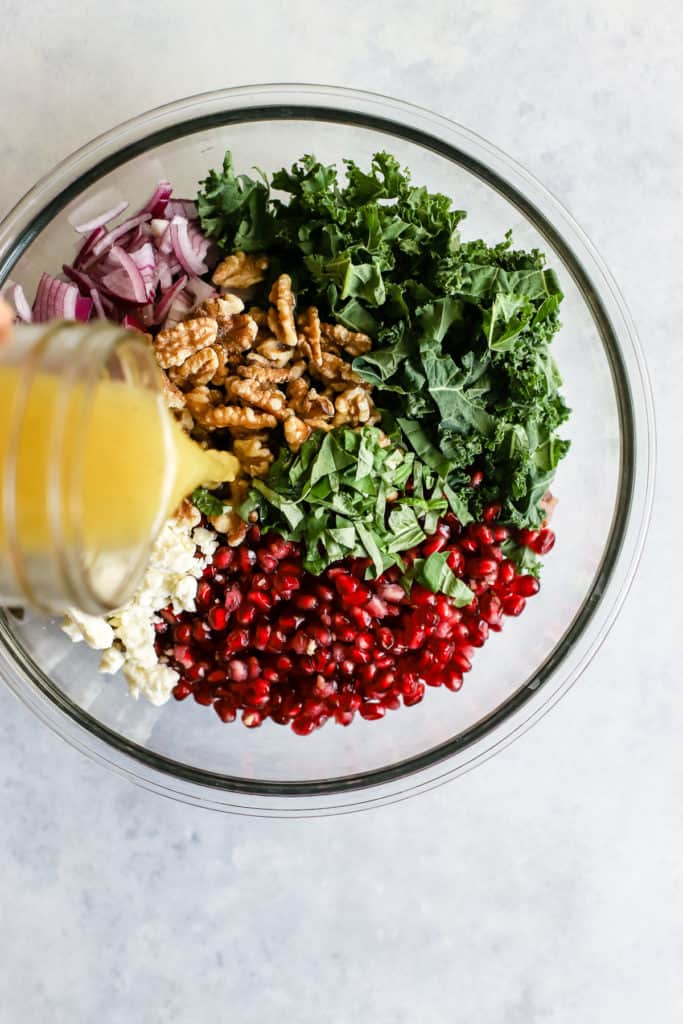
x=92, y=464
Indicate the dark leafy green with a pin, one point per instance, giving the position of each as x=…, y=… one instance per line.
x=461, y=330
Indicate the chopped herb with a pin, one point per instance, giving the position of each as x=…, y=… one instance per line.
x=206, y=502
x=343, y=495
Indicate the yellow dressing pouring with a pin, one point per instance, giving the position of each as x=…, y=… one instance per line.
x=121, y=464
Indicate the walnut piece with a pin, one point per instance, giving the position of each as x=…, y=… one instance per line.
x=257, y=395
x=311, y=331
x=264, y=374
x=353, y=408
x=282, y=322
x=255, y=457
x=353, y=342
x=241, y=270
x=198, y=369
x=175, y=345
x=273, y=351
x=306, y=401
x=237, y=334
x=220, y=307
x=332, y=368
x=236, y=417
x=296, y=432
x=231, y=524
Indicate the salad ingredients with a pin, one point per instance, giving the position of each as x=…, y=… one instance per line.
x=271, y=640
x=344, y=495
x=461, y=329
x=127, y=637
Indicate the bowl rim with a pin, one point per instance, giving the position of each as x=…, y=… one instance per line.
x=587, y=631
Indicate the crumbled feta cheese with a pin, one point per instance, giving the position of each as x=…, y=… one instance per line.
x=95, y=631
x=127, y=635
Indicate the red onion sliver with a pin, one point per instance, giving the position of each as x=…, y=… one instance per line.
x=128, y=264
x=108, y=240
x=157, y=204
x=182, y=247
x=97, y=303
x=83, y=308
x=166, y=300
x=21, y=306
x=183, y=208
x=200, y=289
x=98, y=222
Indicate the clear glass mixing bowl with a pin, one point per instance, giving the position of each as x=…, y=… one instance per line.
x=604, y=486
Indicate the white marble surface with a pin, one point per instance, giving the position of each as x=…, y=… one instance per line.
x=546, y=887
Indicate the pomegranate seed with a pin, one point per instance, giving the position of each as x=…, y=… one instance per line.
x=527, y=586
x=469, y=545
x=181, y=690
x=433, y=544
x=506, y=572
x=183, y=656
x=409, y=699
x=514, y=604
x=376, y=607
x=543, y=543
x=225, y=710
x=182, y=633
x=527, y=538
x=223, y=558
x=236, y=640
x=392, y=593
x=232, y=599
x=480, y=567
x=303, y=726
x=218, y=618
x=245, y=614
x=500, y=533
x=257, y=694
x=268, y=562
x=361, y=616
x=306, y=602
x=252, y=718
x=452, y=679
x=476, y=478
x=261, y=636
x=202, y=694
x=491, y=512
x=259, y=599
x=482, y=533
x=205, y=594
x=385, y=638
x=455, y=561
x=372, y=712
x=421, y=597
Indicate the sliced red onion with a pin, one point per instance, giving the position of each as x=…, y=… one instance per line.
x=97, y=303
x=200, y=289
x=21, y=305
x=137, y=287
x=144, y=259
x=108, y=240
x=182, y=247
x=56, y=300
x=98, y=222
x=133, y=323
x=83, y=281
x=166, y=301
x=86, y=248
x=180, y=307
x=164, y=272
x=157, y=204
x=83, y=308
x=183, y=208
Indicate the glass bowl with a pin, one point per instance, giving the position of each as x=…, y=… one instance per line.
x=604, y=486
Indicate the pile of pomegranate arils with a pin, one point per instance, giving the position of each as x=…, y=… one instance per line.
x=269, y=640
